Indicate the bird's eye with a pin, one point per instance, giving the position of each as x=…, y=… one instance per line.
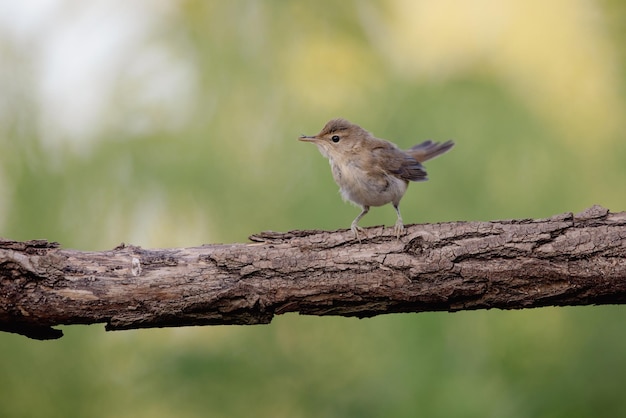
x=335, y=138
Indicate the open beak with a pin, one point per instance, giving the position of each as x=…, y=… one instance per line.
x=306, y=138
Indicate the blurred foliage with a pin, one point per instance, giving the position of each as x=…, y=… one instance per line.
x=163, y=124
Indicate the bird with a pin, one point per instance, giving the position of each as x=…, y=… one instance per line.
x=371, y=171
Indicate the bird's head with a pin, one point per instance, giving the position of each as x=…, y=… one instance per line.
x=338, y=139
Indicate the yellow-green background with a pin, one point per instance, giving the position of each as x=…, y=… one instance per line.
x=193, y=141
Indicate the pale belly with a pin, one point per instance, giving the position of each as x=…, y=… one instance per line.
x=368, y=189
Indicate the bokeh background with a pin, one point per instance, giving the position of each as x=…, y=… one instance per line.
x=174, y=123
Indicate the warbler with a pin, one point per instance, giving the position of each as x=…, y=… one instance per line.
x=372, y=171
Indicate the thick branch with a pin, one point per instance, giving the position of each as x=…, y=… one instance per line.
x=563, y=260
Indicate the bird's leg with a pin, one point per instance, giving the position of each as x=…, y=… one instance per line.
x=399, y=227
x=356, y=228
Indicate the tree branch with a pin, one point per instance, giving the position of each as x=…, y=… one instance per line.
x=563, y=260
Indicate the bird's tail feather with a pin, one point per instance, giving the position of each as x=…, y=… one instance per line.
x=429, y=149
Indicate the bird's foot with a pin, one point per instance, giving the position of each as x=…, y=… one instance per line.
x=356, y=229
x=399, y=229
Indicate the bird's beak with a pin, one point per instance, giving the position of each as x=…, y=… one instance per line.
x=306, y=138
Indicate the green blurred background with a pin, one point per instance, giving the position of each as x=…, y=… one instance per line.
x=174, y=123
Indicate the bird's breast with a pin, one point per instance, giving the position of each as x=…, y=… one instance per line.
x=366, y=187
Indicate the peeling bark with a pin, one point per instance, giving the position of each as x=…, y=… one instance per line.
x=563, y=260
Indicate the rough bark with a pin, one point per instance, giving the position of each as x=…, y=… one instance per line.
x=563, y=260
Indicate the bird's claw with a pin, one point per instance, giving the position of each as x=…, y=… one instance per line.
x=356, y=229
x=399, y=229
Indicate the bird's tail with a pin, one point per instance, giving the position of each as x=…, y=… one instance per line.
x=429, y=149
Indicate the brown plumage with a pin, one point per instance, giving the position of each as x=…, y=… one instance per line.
x=372, y=171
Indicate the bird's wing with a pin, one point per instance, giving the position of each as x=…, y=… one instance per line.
x=398, y=163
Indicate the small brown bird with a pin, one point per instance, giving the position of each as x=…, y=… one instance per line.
x=372, y=171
